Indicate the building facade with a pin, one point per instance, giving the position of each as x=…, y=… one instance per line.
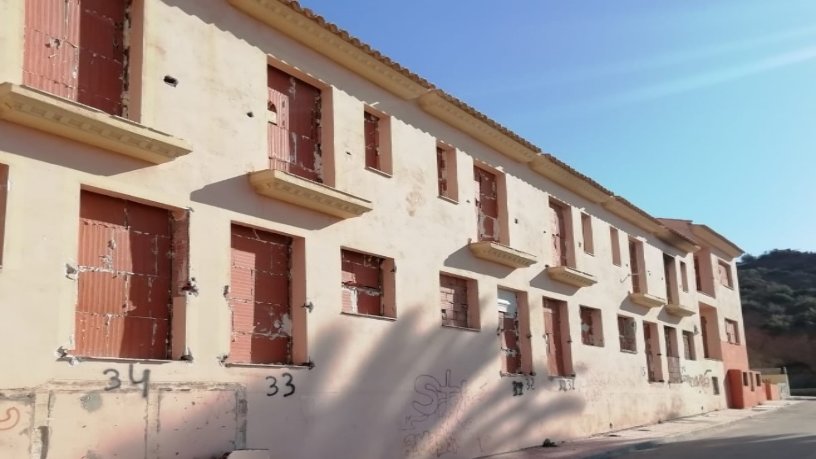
x=229, y=225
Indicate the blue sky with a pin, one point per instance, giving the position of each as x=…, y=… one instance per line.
x=697, y=109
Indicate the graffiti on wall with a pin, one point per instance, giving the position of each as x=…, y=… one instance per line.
x=273, y=389
x=566, y=384
x=10, y=419
x=701, y=380
x=114, y=381
x=437, y=412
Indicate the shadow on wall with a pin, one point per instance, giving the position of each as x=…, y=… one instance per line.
x=418, y=391
x=55, y=150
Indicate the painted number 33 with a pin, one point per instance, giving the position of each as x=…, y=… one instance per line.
x=273, y=388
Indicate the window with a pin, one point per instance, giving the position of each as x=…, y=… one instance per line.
x=626, y=334
x=703, y=272
x=556, y=336
x=293, y=123
x=446, y=172
x=458, y=302
x=83, y=55
x=132, y=267
x=614, y=238
x=672, y=357
x=586, y=229
x=377, y=129
x=744, y=378
x=487, y=204
x=715, y=384
x=264, y=279
x=4, y=186
x=591, y=327
x=560, y=235
x=514, y=329
x=367, y=284
x=724, y=273
x=654, y=363
x=670, y=277
x=758, y=380
x=688, y=346
x=731, y=331
x=697, y=277
x=684, y=276
x=636, y=262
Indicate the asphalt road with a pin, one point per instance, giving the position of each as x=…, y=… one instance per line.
x=789, y=432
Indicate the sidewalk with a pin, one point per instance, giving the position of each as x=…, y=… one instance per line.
x=614, y=443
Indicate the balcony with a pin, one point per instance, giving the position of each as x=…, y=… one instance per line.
x=501, y=254
x=646, y=300
x=680, y=310
x=571, y=276
x=287, y=187
x=65, y=118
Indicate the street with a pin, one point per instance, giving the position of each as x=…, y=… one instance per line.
x=786, y=433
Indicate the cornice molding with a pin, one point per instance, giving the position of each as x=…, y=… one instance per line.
x=441, y=107
x=311, y=33
x=626, y=211
x=65, y=118
x=295, y=190
x=554, y=171
x=713, y=239
x=498, y=253
x=571, y=276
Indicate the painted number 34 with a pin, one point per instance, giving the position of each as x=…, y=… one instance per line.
x=273, y=388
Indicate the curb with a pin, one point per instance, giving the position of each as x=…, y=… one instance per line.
x=654, y=443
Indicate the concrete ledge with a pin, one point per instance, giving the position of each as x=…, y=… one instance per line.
x=299, y=191
x=571, y=276
x=501, y=254
x=646, y=300
x=680, y=310
x=48, y=113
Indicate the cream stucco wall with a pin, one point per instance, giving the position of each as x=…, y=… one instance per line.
x=368, y=395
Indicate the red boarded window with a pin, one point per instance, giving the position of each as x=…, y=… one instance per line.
x=446, y=171
x=129, y=255
x=371, y=128
x=293, y=122
x=487, y=204
x=76, y=50
x=363, y=284
x=260, y=297
x=731, y=333
x=453, y=297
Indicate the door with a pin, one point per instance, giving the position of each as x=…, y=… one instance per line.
x=552, y=338
x=704, y=331
x=558, y=243
x=487, y=205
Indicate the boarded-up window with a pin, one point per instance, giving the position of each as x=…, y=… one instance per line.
x=731, y=331
x=591, y=327
x=294, y=125
x=560, y=234
x=371, y=124
x=670, y=277
x=636, y=261
x=127, y=257
x=586, y=229
x=260, y=297
x=724, y=273
x=626, y=333
x=363, y=284
x=454, y=301
x=614, y=239
x=684, y=276
x=654, y=366
x=556, y=337
x=76, y=50
x=513, y=356
x=446, y=172
x=4, y=182
x=688, y=345
x=487, y=204
x=672, y=355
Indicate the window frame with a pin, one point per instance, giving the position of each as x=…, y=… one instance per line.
x=630, y=323
x=447, y=177
x=593, y=335
x=586, y=233
x=386, y=285
x=384, y=164
x=471, y=297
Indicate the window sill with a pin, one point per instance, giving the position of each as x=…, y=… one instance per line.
x=646, y=300
x=592, y=344
x=555, y=377
x=81, y=359
x=571, y=276
x=291, y=366
x=628, y=351
x=448, y=199
x=501, y=254
x=301, y=192
x=65, y=118
x=379, y=172
x=476, y=330
x=504, y=374
x=369, y=316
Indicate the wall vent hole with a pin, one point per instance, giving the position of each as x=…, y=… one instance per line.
x=171, y=81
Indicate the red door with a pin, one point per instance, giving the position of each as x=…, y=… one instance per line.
x=259, y=297
x=552, y=337
x=558, y=243
x=487, y=205
x=294, y=125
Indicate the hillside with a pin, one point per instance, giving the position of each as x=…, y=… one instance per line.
x=778, y=291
